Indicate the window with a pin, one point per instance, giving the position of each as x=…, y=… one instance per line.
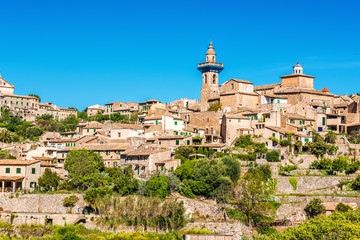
x=176, y=133
x=324, y=121
x=205, y=79
x=88, y=130
x=33, y=170
x=177, y=142
x=232, y=86
x=156, y=122
x=272, y=100
x=278, y=101
x=107, y=152
x=159, y=142
x=32, y=184
x=7, y=170
x=175, y=123
x=119, y=134
x=306, y=139
x=18, y=170
x=214, y=79
x=188, y=142
x=94, y=130
x=115, y=164
x=273, y=134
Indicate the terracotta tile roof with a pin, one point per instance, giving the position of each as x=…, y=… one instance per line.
x=301, y=90
x=17, y=162
x=126, y=126
x=210, y=145
x=233, y=116
x=325, y=90
x=277, y=129
x=46, y=164
x=44, y=158
x=239, y=81
x=94, y=125
x=143, y=152
x=106, y=146
x=266, y=87
x=153, y=118
x=274, y=96
x=298, y=116
x=296, y=75
x=11, y=178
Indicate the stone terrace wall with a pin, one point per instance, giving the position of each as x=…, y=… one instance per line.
x=38, y=203
x=310, y=184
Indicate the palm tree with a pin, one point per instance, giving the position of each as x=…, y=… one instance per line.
x=5, y=136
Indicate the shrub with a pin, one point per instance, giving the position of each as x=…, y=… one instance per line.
x=273, y=156
x=70, y=201
x=314, y=208
x=266, y=230
x=285, y=143
x=343, y=207
x=236, y=214
x=244, y=157
x=356, y=183
x=157, y=187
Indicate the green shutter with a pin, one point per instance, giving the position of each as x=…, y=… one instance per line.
x=18, y=170
x=177, y=142
x=278, y=101
x=7, y=170
x=324, y=121
x=33, y=170
x=175, y=123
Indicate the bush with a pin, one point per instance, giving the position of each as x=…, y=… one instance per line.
x=343, y=207
x=236, y=214
x=285, y=143
x=356, y=183
x=314, y=208
x=244, y=141
x=157, y=187
x=273, y=156
x=266, y=230
x=244, y=157
x=70, y=201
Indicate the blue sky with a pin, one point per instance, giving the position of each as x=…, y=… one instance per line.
x=80, y=53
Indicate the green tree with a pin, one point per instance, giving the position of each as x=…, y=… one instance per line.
x=5, y=136
x=134, y=117
x=123, y=180
x=35, y=95
x=34, y=132
x=273, y=156
x=83, y=116
x=244, y=141
x=84, y=167
x=185, y=151
x=215, y=106
x=263, y=170
x=70, y=201
x=49, y=180
x=314, y=208
x=70, y=123
x=44, y=117
x=157, y=186
x=232, y=168
x=330, y=137
x=253, y=195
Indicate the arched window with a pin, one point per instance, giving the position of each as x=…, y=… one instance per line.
x=214, y=79
x=205, y=79
x=213, y=59
x=232, y=86
x=207, y=59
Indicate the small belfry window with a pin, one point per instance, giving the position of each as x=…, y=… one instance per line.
x=214, y=79
x=205, y=79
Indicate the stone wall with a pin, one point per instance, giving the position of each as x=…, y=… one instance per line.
x=38, y=203
x=310, y=184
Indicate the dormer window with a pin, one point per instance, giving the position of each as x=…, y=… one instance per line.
x=232, y=86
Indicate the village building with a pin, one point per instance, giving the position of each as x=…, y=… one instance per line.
x=17, y=175
x=94, y=109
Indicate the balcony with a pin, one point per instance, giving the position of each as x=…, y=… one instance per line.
x=211, y=63
x=332, y=121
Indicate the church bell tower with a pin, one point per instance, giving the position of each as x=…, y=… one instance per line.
x=210, y=69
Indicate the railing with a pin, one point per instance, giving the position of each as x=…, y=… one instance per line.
x=211, y=63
